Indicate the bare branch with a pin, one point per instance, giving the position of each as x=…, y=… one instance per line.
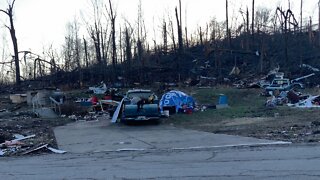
x=7, y=27
x=9, y=9
x=1, y=10
x=8, y=62
x=13, y=3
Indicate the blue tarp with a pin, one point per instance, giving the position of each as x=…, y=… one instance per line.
x=176, y=99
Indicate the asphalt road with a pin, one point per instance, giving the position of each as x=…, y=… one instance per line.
x=165, y=158
x=289, y=162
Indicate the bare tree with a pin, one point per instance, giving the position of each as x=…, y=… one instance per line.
x=77, y=44
x=216, y=33
x=86, y=54
x=200, y=32
x=112, y=16
x=141, y=35
x=41, y=66
x=5, y=54
x=9, y=13
x=227, y=24
x=186, y=30
x=73, y=46
x=128, y=44
x=165, y=37
x=262, y=19
x=287, y=19
x=179, y=26
x=51, y=54
x=95, y=30
x=172, y=34
x=252, y=25
x=68, y=48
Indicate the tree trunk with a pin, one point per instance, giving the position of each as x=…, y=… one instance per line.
x=286, y=43
x=252, y=25
x=120, y=44
x=227, y=24
x=12, y=30
x=180, y=40
x=201, y=36
x=248, y=31
x=261, y=56
x=86, y=52
x=77, y=45
x=187, y=41
x=173, y=38
x=16, y=51
x=112, y=17
x=165, y=38
x=103, y=46
x=96, y=39
x=128, y=47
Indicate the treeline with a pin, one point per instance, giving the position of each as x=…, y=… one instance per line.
x=113, y=50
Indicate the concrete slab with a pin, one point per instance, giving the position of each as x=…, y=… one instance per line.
x=100, y=136
x=46, y=113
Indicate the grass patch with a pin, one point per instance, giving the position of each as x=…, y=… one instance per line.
x=242, y=102
x=248, y=116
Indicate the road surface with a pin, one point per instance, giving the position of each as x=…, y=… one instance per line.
x=277, y=162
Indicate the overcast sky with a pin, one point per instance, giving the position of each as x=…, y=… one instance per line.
x=43, y=22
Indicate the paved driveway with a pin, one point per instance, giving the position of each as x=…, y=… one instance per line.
x=101, y=136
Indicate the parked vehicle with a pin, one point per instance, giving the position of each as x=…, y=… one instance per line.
x=140, y=105
x=283, y=84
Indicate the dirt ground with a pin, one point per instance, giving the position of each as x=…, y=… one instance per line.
x=297, y=128
x=14, y=125
x=18, y=120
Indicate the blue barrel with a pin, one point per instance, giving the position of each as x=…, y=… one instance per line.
x=223, y=100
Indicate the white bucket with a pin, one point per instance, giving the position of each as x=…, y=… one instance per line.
x=18, y=98
x=166, y=113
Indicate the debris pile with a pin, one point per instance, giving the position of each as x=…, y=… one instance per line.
x=293, y=99
x=101, y=89
x=91, y=116
x=310, y=102
x=22, y=129
x=22, y=145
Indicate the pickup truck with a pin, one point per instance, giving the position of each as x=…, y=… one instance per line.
x=283, y=84
x=140, y=105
